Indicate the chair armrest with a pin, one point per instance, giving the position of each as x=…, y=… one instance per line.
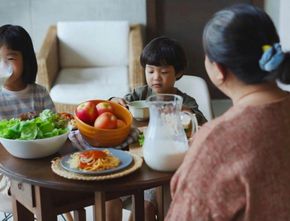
x=47, y=59
x=136, y=72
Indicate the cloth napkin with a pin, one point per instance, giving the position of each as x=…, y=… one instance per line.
x=79, y=143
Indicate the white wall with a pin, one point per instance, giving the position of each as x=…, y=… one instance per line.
x=36, y=15
x=272, y=7
x=279, y=12
x=284, y=26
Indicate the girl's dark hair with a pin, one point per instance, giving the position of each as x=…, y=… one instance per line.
x=164, y=51
x=234, y=38
x=16, y=38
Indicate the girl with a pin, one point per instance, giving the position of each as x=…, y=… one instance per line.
x=164, y=61
x=238, y=165
x=19, y=94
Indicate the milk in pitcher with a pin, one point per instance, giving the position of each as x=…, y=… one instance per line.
x=164, y=155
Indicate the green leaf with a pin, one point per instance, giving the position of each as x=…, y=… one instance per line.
x=28, y=130
x=47, y=124
x=141, y=139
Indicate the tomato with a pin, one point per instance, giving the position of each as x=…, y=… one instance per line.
x=103, y=107
x=87, y=157
x=87, y=112
x=95, y=154
x=120, y=123
x=106, y=120
x=66, y=116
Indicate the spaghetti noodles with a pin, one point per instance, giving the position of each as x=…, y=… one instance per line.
x=93, y=160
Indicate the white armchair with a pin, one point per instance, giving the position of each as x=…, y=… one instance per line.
x=86, y=60
x=197, y=88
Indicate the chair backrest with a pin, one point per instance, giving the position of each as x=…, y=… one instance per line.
x=93, y=43
x=196, y=87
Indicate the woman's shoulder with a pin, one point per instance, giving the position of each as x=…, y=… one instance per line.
x=243, y=124
x=221, y=128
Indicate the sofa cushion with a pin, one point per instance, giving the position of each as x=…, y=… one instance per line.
x=75, y=85
x=93, y=43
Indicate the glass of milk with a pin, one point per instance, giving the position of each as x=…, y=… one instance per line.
x=165, y=141
x=6, y=70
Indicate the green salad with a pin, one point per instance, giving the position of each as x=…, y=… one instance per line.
x=46, y=124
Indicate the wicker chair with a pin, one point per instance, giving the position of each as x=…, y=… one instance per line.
x=49, y=65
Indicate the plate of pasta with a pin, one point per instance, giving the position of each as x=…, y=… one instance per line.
x=97, y=161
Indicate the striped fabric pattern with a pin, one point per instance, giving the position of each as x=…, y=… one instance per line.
x=79, y=143
x=33, y=98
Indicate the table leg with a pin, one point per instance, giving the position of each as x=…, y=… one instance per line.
x=160, y=202
x=163, y=200
x=79, y=215
x=44, y=208
x=138, y=205
x=100, y=207
x=21, y=213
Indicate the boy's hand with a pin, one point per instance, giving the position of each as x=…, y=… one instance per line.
x=119, y=101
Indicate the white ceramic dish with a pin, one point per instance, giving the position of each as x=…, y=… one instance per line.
x=32, y=149
x=139, y=110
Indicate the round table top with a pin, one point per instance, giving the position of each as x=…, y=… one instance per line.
x=39, y=172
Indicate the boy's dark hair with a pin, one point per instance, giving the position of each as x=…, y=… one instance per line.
x=164, y=51
x=16, y=38
x=234, y=38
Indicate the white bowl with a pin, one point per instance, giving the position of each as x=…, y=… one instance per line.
x=32, y=149
x=139, y=110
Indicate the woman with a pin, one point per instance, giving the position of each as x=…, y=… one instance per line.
x=238, y=165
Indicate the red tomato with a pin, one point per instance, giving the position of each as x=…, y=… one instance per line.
x=106, y=120
x=95, y=154
x=87, y=112
x=87, y=157
x=120, y=123
x=103, y=107
x=66, y=116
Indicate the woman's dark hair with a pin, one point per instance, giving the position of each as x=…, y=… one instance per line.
x=234, y=38
x=164, y=51
x=16, y=38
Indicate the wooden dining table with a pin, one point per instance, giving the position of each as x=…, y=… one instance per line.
x=37, y=191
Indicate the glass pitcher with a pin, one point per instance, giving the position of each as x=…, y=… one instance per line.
x=165, y=142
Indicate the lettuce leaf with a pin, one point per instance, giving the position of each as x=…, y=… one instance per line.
x=141, y=139
x=47, y=124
